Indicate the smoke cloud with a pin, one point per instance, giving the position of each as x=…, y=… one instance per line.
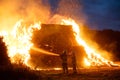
x=72, y=9
x=29, y=10
x=37, y=10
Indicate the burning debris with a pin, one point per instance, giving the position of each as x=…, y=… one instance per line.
x=93, y=57
x=19, y=42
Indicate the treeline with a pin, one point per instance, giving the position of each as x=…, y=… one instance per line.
x=108, y=40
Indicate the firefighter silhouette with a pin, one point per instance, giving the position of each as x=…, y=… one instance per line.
x=63, y=57
x=74, y=63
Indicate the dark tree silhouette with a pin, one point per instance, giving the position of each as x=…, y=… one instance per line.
x=108, y=40
x=4, y=59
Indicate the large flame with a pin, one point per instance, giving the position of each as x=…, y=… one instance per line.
x=93, y=57
x=19, y=42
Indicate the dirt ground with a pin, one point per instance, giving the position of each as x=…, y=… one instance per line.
x=99, y=73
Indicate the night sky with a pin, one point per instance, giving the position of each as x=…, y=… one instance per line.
x=98, y=14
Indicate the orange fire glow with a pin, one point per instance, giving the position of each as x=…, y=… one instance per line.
x=19, y=43
x=93, y=57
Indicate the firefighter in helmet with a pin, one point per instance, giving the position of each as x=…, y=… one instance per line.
x=63, y=57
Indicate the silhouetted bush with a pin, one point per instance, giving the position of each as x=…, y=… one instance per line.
x=4, y=59
x=18, y=72
x=10, y=71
